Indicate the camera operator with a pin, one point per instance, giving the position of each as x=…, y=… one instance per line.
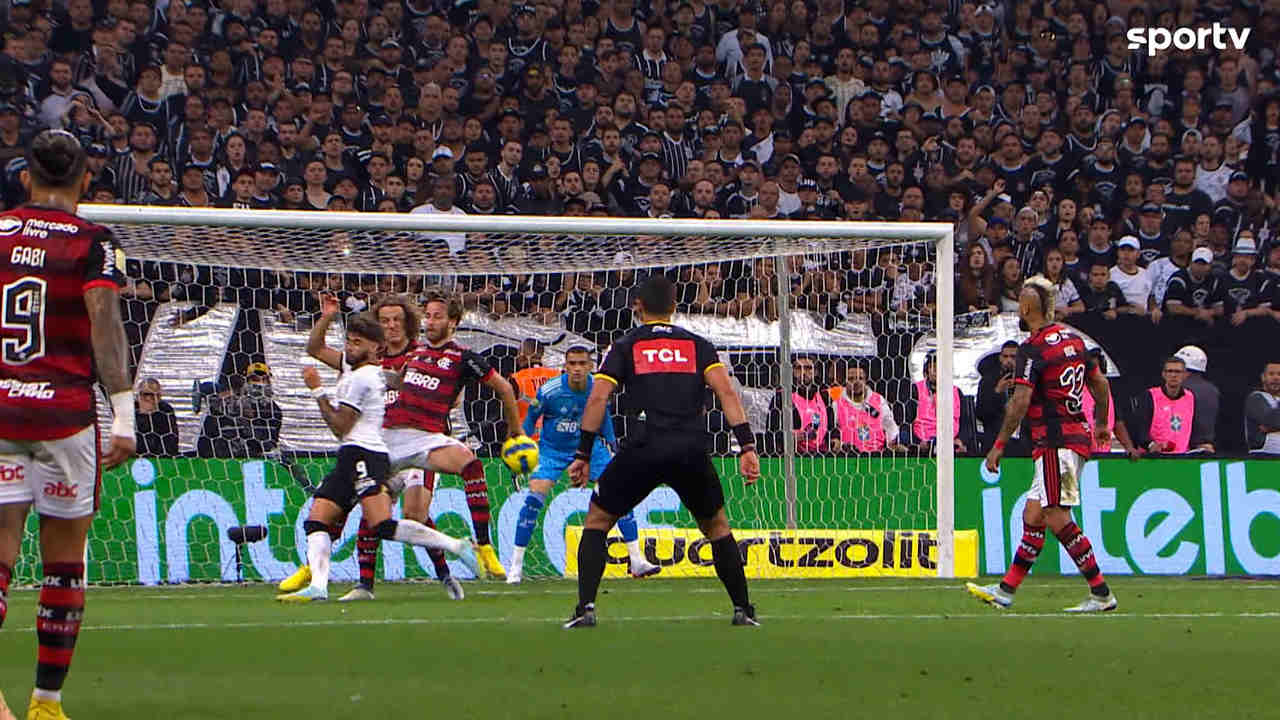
x=994, y=391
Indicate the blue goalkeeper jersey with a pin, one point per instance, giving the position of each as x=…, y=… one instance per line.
x=560, y=408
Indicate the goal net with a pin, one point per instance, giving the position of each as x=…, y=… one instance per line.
x=816, y=320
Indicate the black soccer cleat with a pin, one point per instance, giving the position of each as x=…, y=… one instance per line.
x=745, y=616
x=582, y=618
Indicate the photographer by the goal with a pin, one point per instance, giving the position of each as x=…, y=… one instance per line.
x=667, y=369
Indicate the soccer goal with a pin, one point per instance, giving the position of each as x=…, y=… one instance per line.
x=798, y=310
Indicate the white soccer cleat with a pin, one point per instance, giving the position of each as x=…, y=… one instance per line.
x=466, y=552
x=357, y=594
x=453, y=588
x=990, y=594
x=1094, y=604
x=643, y=569
x=515, y=574
x=306, y=595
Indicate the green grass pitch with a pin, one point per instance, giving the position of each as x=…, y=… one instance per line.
x=1176, y=648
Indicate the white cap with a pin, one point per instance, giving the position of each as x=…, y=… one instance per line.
x=1128, y=241
x=442, y=151
x=1245, y=246
x=1202, y=254
x=1194, y=357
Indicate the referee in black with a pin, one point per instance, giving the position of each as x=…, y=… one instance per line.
x=667, y=368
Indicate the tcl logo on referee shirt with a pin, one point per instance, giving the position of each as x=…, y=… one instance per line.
x=667, y=355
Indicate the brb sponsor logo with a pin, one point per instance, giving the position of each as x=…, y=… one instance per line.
x=12, y=473
x=1216, y=37
x=60, y=490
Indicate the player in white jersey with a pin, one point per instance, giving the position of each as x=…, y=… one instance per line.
x=360, y=475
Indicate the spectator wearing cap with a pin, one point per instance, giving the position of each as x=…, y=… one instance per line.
x=1134, y=280
x=632, y=193
x=541, y=196
x=739, y=203
x=1133, y=142
x=100, y=170
x=192, y=191
x=535, y=98
x=266, y=181
x=1262, y=414
x=1195, y=298
x=1232, y=212
x=1162, y=420
x=1206, y=393
x=1243, y=286
x=1213, y=174
x=1152, y=241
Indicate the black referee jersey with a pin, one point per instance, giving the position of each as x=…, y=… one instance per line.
x=662, y=367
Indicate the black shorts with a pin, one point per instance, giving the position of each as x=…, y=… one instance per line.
x=680, y=461
x=358, y=474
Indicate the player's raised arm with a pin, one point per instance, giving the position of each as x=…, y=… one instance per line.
x=718, y=379
x=111, y=360
x=316, y=347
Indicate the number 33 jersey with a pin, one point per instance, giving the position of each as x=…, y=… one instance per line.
x=49, y=259
x=1054, y=364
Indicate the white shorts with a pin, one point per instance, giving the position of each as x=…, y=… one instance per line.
x=1057, y=479
x=59, y=477
x=411, y=448
x=410, y=477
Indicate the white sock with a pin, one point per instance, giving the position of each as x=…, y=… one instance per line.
x=415, y=533
x=517, y=559
x=47, y=695
x=633, y=549
x=319, y=546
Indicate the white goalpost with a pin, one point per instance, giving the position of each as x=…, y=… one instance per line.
x=532, y=285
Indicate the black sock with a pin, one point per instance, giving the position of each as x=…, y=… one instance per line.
x=591, y=556
x=729, y=568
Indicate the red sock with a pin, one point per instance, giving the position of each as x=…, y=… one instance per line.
x=436, y=554
x=1081, y=551
x=367, y=542
x=6, y=574
x=1028, y=550
x=58, y=622
x=477, y=499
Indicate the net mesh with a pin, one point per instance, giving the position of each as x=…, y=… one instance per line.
x=218, y=318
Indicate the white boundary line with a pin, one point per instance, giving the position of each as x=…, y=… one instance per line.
x=506, y=620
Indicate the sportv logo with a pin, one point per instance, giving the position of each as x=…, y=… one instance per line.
x=1186, y=38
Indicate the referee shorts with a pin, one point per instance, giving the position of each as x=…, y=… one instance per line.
x=358, y=474
x=679, y=461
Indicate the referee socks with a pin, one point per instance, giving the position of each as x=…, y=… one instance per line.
x=591, y=557
x=728, y=562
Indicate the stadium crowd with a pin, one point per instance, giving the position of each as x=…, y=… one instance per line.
x=1146, y=187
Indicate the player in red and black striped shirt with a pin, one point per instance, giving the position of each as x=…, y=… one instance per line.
x=59, y=302
x=417, y=425
x=1052, y=373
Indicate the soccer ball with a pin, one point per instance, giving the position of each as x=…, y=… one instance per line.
x=520, y=453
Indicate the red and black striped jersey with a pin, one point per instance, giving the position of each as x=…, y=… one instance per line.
x=48, y=260
x=395, y=362
x=433, y=377
x=1054, y=364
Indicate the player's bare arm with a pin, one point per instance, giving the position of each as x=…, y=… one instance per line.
x=1013, y=414
x=111, y=359
x=316, y=347
x=510, y=411
x=1100, y=388
x=340, y=420
x=592, y=419
x=720, y=382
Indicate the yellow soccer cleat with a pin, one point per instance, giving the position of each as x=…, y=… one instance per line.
x=489, y=561
x=45, y=710
x=298, y=580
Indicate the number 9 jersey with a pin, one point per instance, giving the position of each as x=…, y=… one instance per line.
x=1054, y=364
x=49, y=259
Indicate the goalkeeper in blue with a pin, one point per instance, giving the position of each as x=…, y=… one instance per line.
x=559, y=403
